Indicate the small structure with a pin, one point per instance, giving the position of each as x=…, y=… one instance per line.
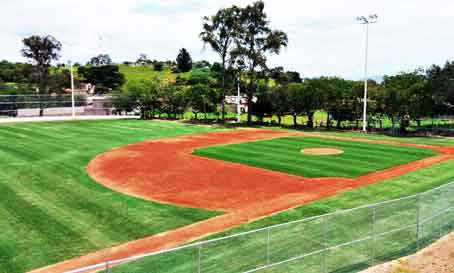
x=98, y=105
x=232, y=102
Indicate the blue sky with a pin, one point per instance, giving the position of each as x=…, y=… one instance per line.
x=324, y=37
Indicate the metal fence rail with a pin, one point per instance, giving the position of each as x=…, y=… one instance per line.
x=34, y=105
x=344, y=241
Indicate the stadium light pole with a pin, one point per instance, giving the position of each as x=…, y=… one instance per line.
x=371, y=19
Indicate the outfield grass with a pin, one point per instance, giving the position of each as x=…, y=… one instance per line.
x=283, y=155
x=50, y=210
x=432, y=141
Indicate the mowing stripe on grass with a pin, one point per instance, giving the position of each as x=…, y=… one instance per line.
x=52, y=211
x=284, y=155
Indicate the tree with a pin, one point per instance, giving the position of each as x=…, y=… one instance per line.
x=375, y=105
x=219, y=32
x=123, y=101
x=107, y=77
x=174, y=100
x=201, y=98
x=158, y=66
x=143, y=60
x=255, y=39
x=202, y=64
x=404, y=97
x=331, y=96
x=311, y=98
x=281, y=102
x=304, y=99
x=440, y=82
x=8, y=71
x=60, y=80
x=343, y=102
x=42, y=50
x=184, y=61
x=264, y=104
x=281, y=77
x=143, y=95
x=294, y=76
x=101, y=59
x=199, y=76
x=18, y=72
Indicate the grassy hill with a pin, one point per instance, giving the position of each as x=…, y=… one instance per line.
x=140, y=72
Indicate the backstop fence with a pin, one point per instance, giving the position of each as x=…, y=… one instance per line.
x=343, y=241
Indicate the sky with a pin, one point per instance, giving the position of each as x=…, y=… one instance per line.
x=324, y=37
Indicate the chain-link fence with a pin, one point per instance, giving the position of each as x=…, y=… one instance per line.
x=35, y=105
x=344, y=241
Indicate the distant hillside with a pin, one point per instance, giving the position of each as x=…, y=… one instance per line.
x=141, y=72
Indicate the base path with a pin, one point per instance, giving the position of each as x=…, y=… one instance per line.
x=165, y=171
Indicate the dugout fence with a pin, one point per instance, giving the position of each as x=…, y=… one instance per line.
x=343, y=241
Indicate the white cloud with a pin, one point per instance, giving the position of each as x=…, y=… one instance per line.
x=324, y=36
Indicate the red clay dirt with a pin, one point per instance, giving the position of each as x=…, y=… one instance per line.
x=165, y=171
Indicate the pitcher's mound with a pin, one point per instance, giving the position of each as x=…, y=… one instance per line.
x=322, y=151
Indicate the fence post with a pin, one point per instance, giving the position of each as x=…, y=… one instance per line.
x=199, y=266
x=440, y=217
x=325, y=244
x=268, y=246
x=374, y=212
x=418, y=220
x=107, y=267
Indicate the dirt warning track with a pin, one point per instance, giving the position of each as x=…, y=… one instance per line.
x=165, y=171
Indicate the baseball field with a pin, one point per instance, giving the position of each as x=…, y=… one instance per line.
x=77, y=189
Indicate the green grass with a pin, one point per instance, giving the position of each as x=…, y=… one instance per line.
x=283, y=155
x=142, y=73
x=244, y=253
x=50, y=210
x=432, y=141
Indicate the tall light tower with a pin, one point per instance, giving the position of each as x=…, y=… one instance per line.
x=371, y=19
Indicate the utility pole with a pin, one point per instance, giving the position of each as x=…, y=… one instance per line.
x=238, y=107
x=72, y=91
x=371, y=19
